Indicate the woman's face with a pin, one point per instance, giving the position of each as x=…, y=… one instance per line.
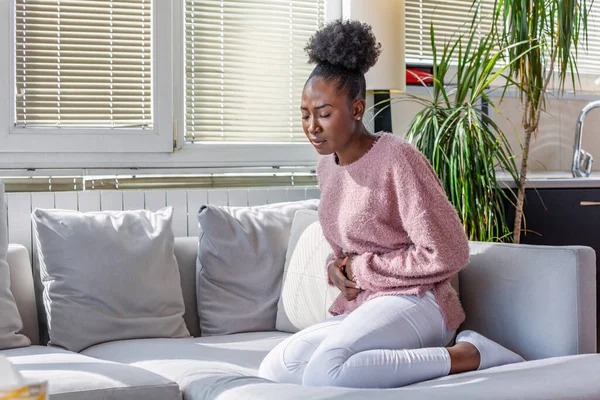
x=329, y=119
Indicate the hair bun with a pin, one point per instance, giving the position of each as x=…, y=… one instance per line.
x=348, y=44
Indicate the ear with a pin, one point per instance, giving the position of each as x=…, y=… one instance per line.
x=358, y=109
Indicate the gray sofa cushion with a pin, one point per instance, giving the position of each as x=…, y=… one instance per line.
x=539, y=301
x=186, y=253
x=108, y=275
x=73, y=376
x=21, y=284
x=565, y=378
x=191, y=362
x=241, y=254
x=225, y=367
x=10, y=321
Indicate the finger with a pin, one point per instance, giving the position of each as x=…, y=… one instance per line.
x=351, y=284
x=340, y=275
x=351, y=296
x=341, y=262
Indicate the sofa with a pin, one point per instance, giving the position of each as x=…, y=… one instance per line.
x=538, y=301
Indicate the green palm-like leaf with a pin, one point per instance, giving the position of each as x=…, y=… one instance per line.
x=463, y=144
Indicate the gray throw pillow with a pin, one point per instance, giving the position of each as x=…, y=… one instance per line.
x=241, y=255
x=10, y=320
x=305, y=294
x=108, y=275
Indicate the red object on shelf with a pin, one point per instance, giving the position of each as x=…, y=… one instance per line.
x=418, y=77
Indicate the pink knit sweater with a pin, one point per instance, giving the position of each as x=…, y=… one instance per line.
x=390, y=209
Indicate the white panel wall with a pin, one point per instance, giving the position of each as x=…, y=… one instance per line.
x=185, y=203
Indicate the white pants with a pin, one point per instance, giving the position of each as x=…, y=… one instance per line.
x=389, y=341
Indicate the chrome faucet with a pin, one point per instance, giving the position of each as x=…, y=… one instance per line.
x=582, y=160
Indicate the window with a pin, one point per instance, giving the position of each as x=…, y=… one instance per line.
x=155, y=83
x=87, y=76
x=447, y=16
x=245, y=68
x=84, y=64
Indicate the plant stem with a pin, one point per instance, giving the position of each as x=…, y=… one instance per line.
x=521, y=193
x=531, y=120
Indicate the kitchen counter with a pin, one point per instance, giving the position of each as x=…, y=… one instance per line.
x=556, y=179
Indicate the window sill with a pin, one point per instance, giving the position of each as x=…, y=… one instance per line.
x=208, y=155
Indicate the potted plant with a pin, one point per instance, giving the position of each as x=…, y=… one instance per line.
x=465, y=146
x=547, y=34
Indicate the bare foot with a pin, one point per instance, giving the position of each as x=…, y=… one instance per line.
x=463, y=357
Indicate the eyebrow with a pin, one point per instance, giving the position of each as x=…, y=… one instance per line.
x=319, y=107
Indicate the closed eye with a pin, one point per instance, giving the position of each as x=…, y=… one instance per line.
x=305, y=116
x=324, y=116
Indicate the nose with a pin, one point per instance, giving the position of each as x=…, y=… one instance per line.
x=313, y=126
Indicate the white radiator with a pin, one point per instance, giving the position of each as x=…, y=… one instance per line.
x=186, y=204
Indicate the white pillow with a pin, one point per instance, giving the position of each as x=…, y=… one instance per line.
x=10, y=320
x=305, y=296
x=109, y=275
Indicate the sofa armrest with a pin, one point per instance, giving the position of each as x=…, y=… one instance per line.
x=539, y=301
x=22, y=287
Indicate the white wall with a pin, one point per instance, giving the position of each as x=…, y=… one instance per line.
x=552, y=150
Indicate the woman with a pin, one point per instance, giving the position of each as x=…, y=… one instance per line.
x=397, y=242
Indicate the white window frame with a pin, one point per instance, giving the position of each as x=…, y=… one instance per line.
x=58, y=150
x=28, y=140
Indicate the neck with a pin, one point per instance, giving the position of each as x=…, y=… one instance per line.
x=359, y=144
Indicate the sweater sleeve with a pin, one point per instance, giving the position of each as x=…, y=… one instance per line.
x=438, y=247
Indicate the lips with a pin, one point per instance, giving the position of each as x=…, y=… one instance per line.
x=318, y=142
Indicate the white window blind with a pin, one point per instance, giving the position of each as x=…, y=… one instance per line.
x=84, y=63
x=245, y=68
x=450, y=18
x=588, y=59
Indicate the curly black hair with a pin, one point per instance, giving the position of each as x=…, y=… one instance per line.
x=344, y=51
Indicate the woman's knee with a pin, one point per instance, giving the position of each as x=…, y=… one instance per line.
x=326, y=368
x=286, y=362
x=271, y=366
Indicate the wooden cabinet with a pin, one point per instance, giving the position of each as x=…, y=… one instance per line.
x=569, y=216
